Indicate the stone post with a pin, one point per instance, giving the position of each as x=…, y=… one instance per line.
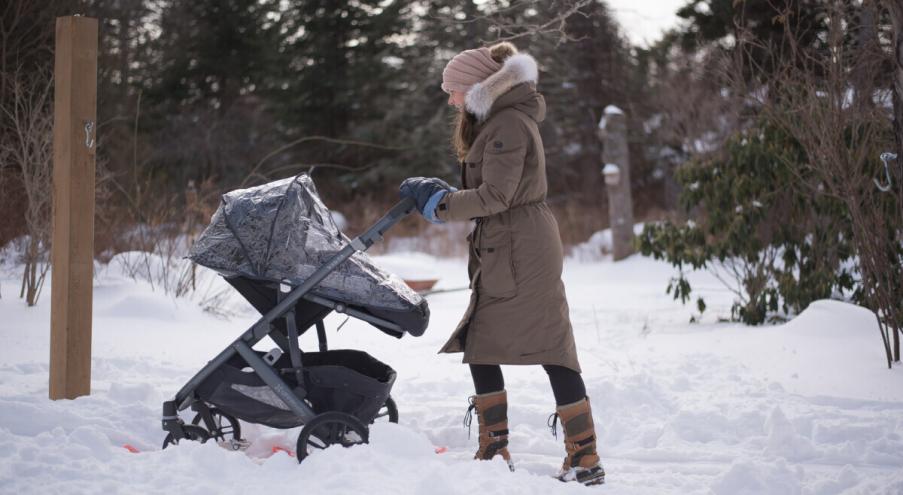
x=616, y=169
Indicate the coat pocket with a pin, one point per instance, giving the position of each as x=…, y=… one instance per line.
x=496, y=264
x=472, y=174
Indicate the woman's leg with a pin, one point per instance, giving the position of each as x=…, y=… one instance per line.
x=567, y=384
x=487, y=378
x=491, y=406
x=582, y=461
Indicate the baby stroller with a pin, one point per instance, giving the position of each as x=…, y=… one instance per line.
x=278, y=246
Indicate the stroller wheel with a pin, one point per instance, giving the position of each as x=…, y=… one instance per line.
x=389, y=410
x=330, y=428
x=194, y=433
x=225, y=427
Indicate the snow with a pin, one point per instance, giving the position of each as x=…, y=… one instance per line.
x=598, y=246
x=603, y=123
x=609, y=110
x=653, y=123
x=410, y=266
x=341, y=221
x=572, y=149
x=807, y=407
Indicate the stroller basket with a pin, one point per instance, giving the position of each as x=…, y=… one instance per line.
x=349, y=381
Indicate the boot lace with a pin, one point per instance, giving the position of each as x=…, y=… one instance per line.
x=553, y=424
x=468, y=416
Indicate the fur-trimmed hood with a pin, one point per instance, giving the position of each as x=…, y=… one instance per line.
x=517, y=69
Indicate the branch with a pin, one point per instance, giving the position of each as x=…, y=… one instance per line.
x=313, y=166
x=560, y=20
x=514, y=6
x=256, y=170
x=514, y=30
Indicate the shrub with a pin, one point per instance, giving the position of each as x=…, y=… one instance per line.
x=776, y=246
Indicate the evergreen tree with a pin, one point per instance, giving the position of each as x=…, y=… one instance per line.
x=420, y=116
x=722, y=22
x=210, y=52
x=342, y=63
x=209, y=87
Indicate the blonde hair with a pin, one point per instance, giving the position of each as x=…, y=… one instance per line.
x=465, y=124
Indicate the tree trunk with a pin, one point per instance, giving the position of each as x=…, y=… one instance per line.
x=867, y=51
x=124, y=45
x=896, y=12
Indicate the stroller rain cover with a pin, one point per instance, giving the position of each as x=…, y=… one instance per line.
x=282, y=232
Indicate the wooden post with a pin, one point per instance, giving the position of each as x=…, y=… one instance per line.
x=74, y=126
x=616, y=169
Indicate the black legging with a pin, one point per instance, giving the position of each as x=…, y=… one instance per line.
x=567, y=384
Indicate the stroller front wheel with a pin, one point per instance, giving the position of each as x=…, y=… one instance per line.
x=192, y=432
x=389, y=409
x=330, y=428
x=224, y=425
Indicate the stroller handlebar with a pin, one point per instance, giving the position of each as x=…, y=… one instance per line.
x=375, y=233
x=402, y=209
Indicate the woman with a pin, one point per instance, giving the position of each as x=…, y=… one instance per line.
x=518, y=312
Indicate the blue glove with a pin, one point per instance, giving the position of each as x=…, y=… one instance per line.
x=427, y=193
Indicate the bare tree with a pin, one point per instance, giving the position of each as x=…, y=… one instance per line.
x=26, y=37
x=895, y=7
x=28, y=146
x=813, y=94
x=524, y=19
x=553, y=22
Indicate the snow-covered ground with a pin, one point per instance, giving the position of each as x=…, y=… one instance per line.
x=803, y=408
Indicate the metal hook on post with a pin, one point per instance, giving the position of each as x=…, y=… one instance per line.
x=89, y=134
x=886, y=157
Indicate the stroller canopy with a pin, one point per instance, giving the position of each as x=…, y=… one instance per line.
x=282, y=232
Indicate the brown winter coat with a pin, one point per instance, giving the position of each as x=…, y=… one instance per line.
x=518, y=312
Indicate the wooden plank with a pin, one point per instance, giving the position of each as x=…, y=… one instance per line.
x=75, y=102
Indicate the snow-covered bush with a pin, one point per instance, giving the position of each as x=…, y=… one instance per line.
x=752, y=222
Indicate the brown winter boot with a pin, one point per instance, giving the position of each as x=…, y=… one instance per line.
x=582, y=462
x=492, y=414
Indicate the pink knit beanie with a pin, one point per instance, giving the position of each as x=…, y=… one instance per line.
x=468, y=68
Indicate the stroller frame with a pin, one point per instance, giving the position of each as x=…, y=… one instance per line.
x=242, y=346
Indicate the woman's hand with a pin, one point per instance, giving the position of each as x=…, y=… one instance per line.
x=427, y=192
